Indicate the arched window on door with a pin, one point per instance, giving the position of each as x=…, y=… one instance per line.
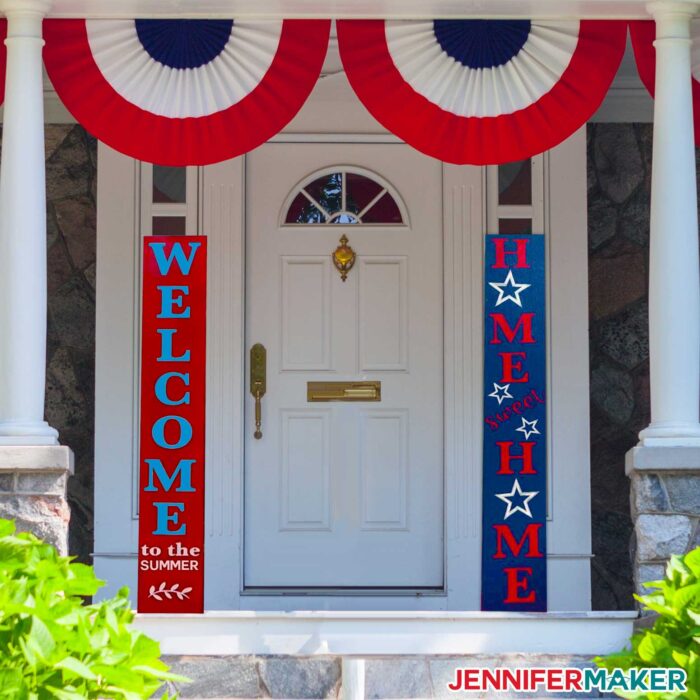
x=344, y=195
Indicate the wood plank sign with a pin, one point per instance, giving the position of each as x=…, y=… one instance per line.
x=171, y=472
x=514, y=564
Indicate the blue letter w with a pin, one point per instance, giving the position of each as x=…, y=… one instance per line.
x=176, y=253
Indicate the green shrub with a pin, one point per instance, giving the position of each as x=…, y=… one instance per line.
x=674, y=639
x=52, y=645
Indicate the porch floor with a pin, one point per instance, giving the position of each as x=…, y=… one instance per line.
x=313, y=633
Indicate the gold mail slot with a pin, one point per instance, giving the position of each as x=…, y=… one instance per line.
x=344, y=391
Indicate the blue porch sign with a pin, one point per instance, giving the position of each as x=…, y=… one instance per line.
x=514, y=563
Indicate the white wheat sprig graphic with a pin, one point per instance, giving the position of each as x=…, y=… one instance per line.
x=164, y=591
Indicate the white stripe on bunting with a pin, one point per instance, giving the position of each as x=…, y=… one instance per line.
x=176, y=92
x=481, y=92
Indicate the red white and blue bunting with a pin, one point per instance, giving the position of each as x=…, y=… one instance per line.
x=481, y=91
x=184, y=92
x=643, y=34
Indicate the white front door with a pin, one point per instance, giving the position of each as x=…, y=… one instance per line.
x=345, y=494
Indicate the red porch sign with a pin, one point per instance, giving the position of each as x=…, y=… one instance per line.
x=171, y=484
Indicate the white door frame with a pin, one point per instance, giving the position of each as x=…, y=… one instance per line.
x=222, y=216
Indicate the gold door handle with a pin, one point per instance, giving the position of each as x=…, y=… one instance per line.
x=258, y=412
x=258, y=383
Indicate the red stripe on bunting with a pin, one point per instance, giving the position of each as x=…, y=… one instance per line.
x=3, y=58
x=643, y=33
x=481, y=140
x=185, y=141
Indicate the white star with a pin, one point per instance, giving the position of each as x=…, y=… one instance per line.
x=524, y=508
x=529, y=427
x=510, y=282
x=500, y=392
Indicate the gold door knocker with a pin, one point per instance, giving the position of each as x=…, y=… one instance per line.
x=343, y=258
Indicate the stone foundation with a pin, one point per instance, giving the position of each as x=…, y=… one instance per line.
x=665, y=505
x=33, y=491
x=324, y=676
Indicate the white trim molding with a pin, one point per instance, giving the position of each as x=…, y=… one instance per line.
x=657, y=459
x=44, y=458
x=408, y=9
x=368, y=633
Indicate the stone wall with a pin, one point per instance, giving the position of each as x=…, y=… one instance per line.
x=71, y=172
x=322, y=676
x=71, y=181
x=33, y=491
x=666, y=511
x=619, y=186
x=665, y=505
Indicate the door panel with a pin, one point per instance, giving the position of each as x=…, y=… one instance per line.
x=383, y=469
x=383, y=327
x=305, y=499
x=306, y=313
x=345, y=494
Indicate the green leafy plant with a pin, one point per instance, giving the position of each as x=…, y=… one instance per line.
x=53, y=645
x=674, y=639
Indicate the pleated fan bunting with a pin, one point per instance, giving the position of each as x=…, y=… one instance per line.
x=481, y=91
x=181, y=91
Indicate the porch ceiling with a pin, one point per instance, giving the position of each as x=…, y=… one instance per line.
x=352, y=8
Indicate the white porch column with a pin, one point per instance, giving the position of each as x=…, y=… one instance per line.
x=23, y=232
x=674, y=272
x=665, y=467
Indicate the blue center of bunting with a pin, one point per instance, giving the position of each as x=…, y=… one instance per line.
x=184, y=43
x=481, y=43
